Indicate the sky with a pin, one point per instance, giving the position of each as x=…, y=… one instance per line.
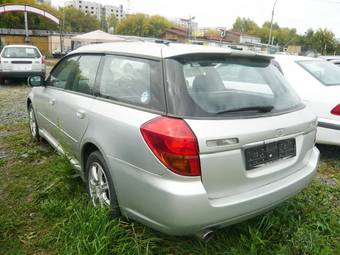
x=299, y=14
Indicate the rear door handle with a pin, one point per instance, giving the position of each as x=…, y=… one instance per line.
x=80, y=114
x=51, y=101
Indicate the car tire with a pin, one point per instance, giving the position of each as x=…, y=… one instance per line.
x=33, y=125
x=99, y=184
x=2, y=81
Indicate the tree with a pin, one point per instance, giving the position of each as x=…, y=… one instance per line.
x=143, y=25
x=112, y=22
x=245, y=25
x=325, y=42
x=322, y=41
x=77, y=21
x=158, y=25
x=103, y=24
x=134, y=25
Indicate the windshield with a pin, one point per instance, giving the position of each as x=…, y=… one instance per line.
x=218, y=86
x=20, y=52
x=327, y=73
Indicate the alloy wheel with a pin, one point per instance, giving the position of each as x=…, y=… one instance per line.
x=98, y=186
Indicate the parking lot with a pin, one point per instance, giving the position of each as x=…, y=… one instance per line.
x=45, y=209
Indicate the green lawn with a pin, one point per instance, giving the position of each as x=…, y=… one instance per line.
x=44, y=210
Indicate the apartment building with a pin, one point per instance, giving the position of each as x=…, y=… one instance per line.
x=97, y=9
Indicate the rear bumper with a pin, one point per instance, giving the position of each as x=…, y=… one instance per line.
x=20, y=75
x=328, y=132
x=182, y=207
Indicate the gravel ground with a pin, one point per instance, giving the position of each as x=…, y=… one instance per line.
x=13, y=99
x=13, y=102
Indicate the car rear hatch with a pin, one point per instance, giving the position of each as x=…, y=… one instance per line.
x=223, y=145
x=21, y=59
x=251, y=127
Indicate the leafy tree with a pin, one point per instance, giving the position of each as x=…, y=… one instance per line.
x=337, y=49
x=112, y=22
x=143, y=25
x=324, y=41
x=158, y=25
x=103, y=24
x=77, y=21
x=245, y=25
x=134, y=25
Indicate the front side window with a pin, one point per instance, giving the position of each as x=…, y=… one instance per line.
x=84, y=74
x=132, y=80
x=211, y=86
x=20, y=52
x=327, y=73
x=61, y=76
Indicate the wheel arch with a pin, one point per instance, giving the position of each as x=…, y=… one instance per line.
x=87, y=148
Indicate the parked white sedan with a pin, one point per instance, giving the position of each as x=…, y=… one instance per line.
x=318, y=84
x=21, y=61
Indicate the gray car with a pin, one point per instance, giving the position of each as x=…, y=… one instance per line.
x=182, y=138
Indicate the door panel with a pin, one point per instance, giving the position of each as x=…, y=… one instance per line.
x=75, y=102
x=45, y=112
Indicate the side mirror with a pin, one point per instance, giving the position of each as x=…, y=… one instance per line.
x=35, y=81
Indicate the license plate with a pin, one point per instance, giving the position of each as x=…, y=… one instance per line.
x=259, y=155
x=22, y=67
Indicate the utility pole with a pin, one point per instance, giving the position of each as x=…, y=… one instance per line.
x=271, y=25
x=27, y=39
x=190, y=26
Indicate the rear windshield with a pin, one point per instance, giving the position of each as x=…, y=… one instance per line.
x=327, y=73
x=20, y=52
x=211, y=86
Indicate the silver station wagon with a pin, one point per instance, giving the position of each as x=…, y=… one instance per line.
x=182, y=138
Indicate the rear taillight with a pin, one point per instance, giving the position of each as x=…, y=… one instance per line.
x=174, y=144
x=336, y=110
x=43, y=60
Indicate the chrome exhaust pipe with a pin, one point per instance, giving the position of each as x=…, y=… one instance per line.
x=206, y=235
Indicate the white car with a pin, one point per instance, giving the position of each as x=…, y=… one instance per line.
x=317, y=81
x=21, y=61
x=333, y=59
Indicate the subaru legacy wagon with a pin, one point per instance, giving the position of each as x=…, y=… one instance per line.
x=183, y=138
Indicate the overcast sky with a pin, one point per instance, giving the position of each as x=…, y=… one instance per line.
x=301, y=14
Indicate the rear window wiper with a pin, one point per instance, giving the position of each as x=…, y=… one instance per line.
x=261, y=109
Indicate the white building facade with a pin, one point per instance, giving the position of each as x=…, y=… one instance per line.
x=97, y=9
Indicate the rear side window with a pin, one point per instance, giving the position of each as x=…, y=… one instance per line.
x=327, y=73
x=218, y=86
x=61, y=74
x=20, y=52
x=84, y=74
x=134, y=81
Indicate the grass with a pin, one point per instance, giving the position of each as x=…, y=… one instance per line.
x=45, y=210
